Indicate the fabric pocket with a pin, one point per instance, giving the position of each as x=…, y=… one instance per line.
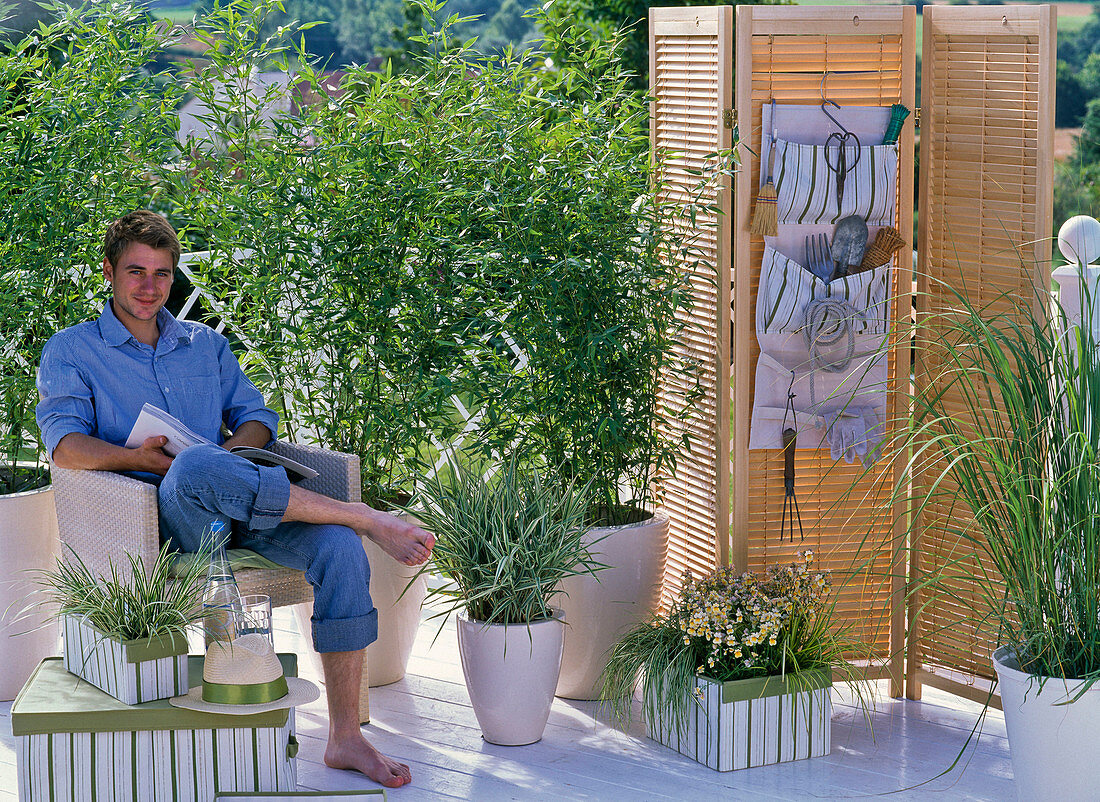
x=806, y=185
x=786, y=287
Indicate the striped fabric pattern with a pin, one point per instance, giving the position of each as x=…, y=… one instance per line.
x=176, y=765
x=102, y=661
x=786, y=287
x=806, y=186
x=751, y=732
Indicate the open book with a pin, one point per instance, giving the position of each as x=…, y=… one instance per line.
x=154, y=421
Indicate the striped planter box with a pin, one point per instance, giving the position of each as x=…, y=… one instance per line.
x=755, y=722
x=132, y=671
x=79, y=745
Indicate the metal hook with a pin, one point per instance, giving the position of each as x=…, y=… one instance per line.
x=827, y=102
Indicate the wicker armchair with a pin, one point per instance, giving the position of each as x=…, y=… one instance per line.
x=103, y=515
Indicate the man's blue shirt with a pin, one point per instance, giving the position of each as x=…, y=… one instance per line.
x=94, y=378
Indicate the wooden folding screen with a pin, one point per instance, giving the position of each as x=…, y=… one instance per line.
x=986, y=174
x=690, y=61
x=782, y=54
x=986, y=185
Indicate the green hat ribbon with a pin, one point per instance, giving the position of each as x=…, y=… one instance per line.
x=251, y=694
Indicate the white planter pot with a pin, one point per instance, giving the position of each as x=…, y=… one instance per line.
x=752, y=722
x=398, y=618
x=511, y=671
x=1055, y=746
x=600, y=608
x=28, y=541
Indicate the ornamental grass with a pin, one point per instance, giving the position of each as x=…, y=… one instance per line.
x=1007, y=444
x=141, y=606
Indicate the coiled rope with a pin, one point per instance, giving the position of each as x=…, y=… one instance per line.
x=826, y=322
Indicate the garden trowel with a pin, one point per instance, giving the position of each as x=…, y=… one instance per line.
x=849, y=242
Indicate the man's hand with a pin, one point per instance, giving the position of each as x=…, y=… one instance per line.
x=85, y=452
x=152, y=456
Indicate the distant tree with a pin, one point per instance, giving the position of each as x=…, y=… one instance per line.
x=20, y=17
x=364, y=28
x=508, y=26
x=1070, y=96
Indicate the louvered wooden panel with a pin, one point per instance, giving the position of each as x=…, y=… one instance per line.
x=690, y=80
x=985, y=225
x=782, y=53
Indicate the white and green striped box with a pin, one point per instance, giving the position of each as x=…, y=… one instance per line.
x=754, y=722
x=78, y=744
x=133, y=671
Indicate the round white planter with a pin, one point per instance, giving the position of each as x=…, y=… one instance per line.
x=1055, y=746
x=28, y=541
x=398, y=615
x=600, y=608
x=511, y=671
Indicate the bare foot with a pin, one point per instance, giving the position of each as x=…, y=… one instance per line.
x=357, y=754
x=405, y=542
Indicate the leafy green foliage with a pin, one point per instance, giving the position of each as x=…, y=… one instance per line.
x=1017, y=453
x=475, y=234
x=80, y=123
x=505, y=544
x=602, y=20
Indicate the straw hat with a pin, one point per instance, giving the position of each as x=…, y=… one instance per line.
x=245, y=677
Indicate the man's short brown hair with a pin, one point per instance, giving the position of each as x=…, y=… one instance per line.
x=143, y=226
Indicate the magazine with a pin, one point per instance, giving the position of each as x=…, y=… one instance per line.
x=154, y=421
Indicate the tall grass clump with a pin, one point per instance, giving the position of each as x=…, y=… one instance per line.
x=132, y=605
x=505, y=543
x=1006, y=438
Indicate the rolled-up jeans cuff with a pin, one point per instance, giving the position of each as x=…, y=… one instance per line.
x=345, y=634
x=272, y=496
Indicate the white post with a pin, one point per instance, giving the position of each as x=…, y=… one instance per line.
x=1079, y=242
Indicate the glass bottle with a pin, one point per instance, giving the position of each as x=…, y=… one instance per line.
x=221, y=599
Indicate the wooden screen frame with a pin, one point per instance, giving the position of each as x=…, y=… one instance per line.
x=857, y=21
x=679, y=491
x=983, y=21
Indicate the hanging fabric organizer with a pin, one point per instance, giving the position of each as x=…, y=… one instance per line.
x=807, y=186
x=823, y=344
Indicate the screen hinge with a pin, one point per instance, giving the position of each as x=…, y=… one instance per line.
x=729, y=118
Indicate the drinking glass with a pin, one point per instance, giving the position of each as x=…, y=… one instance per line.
x=255, y=617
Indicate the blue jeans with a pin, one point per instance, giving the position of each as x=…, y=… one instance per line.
x=207, y=482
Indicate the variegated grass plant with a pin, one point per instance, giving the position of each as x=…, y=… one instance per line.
x=504, y=542
x=141, y=606
x=1007, y=443
x=728, y=626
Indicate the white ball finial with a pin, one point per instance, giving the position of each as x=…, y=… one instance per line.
x=1079, y=240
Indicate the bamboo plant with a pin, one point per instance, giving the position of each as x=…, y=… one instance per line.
x=71, y=160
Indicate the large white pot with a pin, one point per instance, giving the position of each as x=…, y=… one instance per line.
x=511, y=671
x=28, y=542
x=599, y=608
x=398, y=615
x=1055, y=746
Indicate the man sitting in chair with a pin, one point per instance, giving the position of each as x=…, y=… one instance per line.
x=93, y=380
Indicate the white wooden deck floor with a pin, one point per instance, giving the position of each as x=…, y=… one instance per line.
x=426, y=721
